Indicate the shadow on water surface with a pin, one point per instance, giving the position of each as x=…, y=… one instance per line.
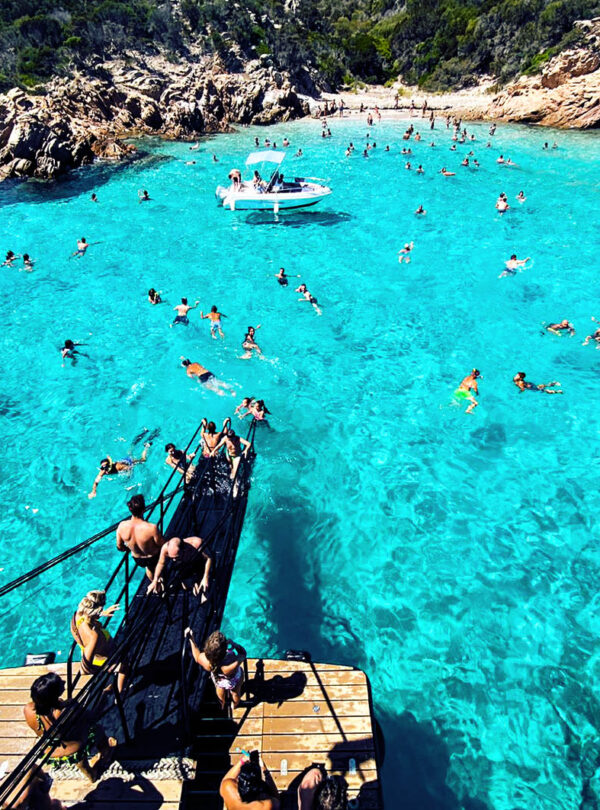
x=297, y=219
x=73, y=184
x=417, y=759
x=297, y=610
x=416, y=767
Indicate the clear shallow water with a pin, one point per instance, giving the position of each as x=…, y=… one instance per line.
x=452, y=557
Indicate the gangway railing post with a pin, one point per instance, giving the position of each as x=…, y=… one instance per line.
x=126, y=584
x=184, y=685
x=121, y=710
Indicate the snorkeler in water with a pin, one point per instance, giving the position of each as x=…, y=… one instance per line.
x=110, y=467
x=467, y=390
x=543, y=388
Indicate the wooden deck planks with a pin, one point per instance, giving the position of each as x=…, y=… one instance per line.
x=328, y=720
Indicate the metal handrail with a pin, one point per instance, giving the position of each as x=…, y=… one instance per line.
x=93, y=689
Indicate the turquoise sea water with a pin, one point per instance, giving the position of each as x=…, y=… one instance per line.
x=452, y=557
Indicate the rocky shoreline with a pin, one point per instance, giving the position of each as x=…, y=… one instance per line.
x=90, y=115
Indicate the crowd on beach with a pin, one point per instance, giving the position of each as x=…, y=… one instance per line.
x=188, y=560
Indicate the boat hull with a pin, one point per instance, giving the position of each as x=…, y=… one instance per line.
x=270, y=201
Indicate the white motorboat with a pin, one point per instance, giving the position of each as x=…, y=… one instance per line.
x=274, y=193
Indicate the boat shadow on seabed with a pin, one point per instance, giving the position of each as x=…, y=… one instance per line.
x=297, y=219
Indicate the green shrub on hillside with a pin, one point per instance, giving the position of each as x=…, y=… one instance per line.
x=435, y=43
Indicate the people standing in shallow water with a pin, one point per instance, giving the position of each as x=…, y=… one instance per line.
x=560, y=327
x=467, y=389
x=214, y=317
x=110, y=467
x=182, y=312
x=544, y=388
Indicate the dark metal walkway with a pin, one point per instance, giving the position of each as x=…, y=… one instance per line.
x=155, y=721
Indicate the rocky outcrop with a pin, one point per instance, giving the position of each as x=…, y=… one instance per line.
x=565, y=94
x=88, y=116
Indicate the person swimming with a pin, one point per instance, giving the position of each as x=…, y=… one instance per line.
x=69, y=352
x=420, y=210
x=559, y=328
x=543, y=388
x=446, y=173
x=467, y=389
x=206, y=377
x=124, y=465
x=249, y=343
x=214, y=317
x=595, y=336
x=154, y=297
x=143, y=196
x=521, y=197
x=10, y=259
x=28, y=262
x=82, y=246
x=512, y=265
x=404, y=254
x=182, y=312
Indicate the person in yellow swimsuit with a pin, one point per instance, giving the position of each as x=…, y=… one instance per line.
x=95, y=641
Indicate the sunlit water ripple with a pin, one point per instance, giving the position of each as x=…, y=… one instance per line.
x=452, y=557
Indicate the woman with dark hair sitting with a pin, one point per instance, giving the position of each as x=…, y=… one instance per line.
x=76, y=742
x=249, y=786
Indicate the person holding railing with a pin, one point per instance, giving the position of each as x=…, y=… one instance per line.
x=209, y=436
x=93, y=639
x=75, y=744
x=142, y=539
x=233, y=446
x=224, y=661
x=189, y=563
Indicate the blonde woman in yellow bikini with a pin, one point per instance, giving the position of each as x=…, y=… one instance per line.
x=95, y=641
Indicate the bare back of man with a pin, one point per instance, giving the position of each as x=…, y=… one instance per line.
x=142, y=539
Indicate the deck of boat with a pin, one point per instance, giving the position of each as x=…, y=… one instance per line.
x=296, y=713
x=308, y=713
